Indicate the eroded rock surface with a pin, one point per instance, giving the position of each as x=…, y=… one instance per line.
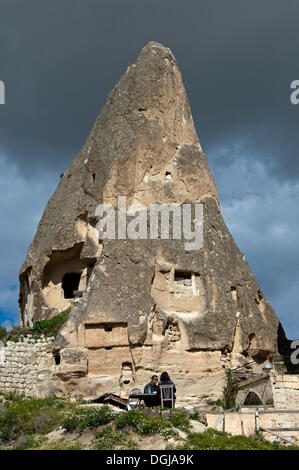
x=143, y=306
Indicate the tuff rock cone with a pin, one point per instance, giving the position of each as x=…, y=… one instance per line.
x=143, y=306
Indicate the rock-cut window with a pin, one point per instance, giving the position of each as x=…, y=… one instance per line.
x=70, y=283
x=182, y=278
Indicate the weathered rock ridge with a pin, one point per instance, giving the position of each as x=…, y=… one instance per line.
x=143, y=306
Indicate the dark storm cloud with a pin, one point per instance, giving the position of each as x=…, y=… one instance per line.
x=262, y=214
x=59, y=59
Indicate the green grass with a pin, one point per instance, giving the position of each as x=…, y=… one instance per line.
x=109, y=439
x=42, y=327
x=24, y=423
x=85, y=418
x=216, y=440
x=53, y=325
x=180, y=420
x=141, y=423
x=3, y=332
x=59, y=444
x=21, y=416
x=230, y=391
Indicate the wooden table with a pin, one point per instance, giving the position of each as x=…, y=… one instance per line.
x=144, y=396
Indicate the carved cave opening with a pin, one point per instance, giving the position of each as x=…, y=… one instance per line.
x=234, y=294
x=127, y=373
x=183, y=278
x=56, y=355
x=65, y=276
x=178, y=289
x=70, y=284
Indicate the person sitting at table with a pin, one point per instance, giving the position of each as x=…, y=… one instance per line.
x=152, y=388
x=165, y=380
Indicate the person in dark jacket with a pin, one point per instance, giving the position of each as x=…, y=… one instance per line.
x=165, y=380
x=152, y=387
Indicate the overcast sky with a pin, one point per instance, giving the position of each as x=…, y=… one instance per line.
x=60, y=58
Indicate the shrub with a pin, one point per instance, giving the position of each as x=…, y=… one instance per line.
x=88, y=418
x=179, y=419
x=9, y=427
x=24, y=416
x=41, y=422
x=195, y=416
x=60, y=444
x=229, y=393
x=96, y=417
x=126, y=419
x=109, y=439
x=216, y=440
x=168, y=433
x=21, y=443
x=142, y=424
x=52, y=325
x=16, y=332
x=3, y=332
x=45, y=327
x=70, y=423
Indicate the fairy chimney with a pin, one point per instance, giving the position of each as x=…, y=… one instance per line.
x=146, y=305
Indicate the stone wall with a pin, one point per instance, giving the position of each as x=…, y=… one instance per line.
x=244, y=422
x=282, y=420
x=31, y=367
x=25, y=366
x=286, y=391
